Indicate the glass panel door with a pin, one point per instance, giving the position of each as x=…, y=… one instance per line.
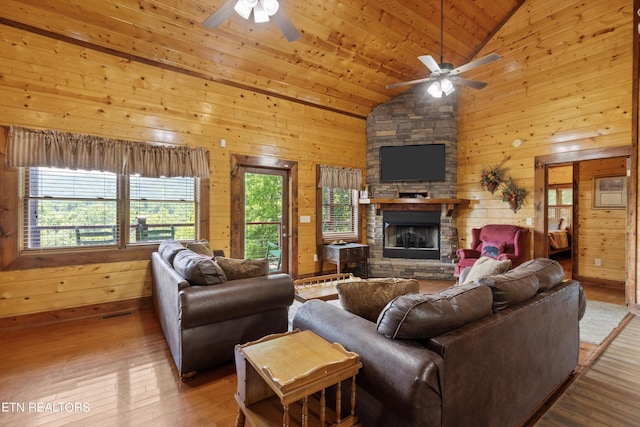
x=265, y=218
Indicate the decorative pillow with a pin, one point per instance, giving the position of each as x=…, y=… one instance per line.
x=198, y=269
x=492, y=249
x=202, y=247
x=367, y=298
x=511, y=288
x=169, y=248
x=423, y=316
x=243, y=268
x=487, y=266
x=548, y=271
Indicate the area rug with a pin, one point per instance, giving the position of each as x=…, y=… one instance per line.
x=599, y=320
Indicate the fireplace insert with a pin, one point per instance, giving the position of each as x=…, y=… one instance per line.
x=411, y=234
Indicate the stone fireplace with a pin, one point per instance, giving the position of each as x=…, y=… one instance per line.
x=411, y=226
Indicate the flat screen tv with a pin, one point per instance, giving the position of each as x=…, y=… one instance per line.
x=412, y=163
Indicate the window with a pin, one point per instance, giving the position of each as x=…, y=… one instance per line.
x=65, y=208
x=339, y=214
x=162, y=208
x=560, y=200
x=55, y=214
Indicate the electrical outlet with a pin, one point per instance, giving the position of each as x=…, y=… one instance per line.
x=597, y=262
x=315, y=257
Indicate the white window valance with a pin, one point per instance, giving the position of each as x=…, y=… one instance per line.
x=338, y=177
x=50, y=148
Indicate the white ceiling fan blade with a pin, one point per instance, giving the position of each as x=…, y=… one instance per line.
x=287, y=28
x=477, y=63
x=429, y=62
x=220, y=15
x=412, y=82
x=466, y=82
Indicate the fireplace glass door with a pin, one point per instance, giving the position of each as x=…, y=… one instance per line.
x=412, y=235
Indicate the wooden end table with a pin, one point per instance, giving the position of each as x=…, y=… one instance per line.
x=282, y=380
x=344, y=253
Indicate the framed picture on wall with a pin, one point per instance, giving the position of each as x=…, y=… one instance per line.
x=610, y=192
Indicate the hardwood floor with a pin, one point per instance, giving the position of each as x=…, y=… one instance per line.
x=608, y=394
x=117, y=371
x=106, y=372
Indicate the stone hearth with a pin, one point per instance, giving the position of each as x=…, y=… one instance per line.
x=409, y=120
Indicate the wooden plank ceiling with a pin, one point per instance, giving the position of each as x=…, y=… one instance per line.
x=348, y=52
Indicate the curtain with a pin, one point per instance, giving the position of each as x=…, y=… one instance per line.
x=49, y=148
x=155, y=161
x=337, y=177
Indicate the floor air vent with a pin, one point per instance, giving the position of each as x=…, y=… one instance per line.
x=112, y=315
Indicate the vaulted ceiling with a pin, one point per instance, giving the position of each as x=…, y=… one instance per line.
x=348, y=52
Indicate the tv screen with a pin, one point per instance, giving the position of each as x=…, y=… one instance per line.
x=412, y=163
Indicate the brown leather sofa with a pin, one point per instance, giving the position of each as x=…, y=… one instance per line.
x=202, y=324
x=441, y=368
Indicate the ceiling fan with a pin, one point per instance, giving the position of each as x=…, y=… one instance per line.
x=443, y=75
x=262, y=11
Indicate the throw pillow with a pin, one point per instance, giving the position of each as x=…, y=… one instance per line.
x=548, y=271
x=511, y=288
x=367, y=298
x=169, y=248
x=202, y=247
x=424, y=316
x=492, y=249
x=198, y=269
x=487, y=266
x=235, y=268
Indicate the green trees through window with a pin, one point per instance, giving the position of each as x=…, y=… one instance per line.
x=263, y=213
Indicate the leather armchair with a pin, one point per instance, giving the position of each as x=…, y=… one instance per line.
x=506, y=242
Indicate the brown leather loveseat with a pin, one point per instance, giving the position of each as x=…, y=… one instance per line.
x=479, y=354
x=203, y=322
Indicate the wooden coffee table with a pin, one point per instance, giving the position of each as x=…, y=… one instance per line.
x=321, y=287
x=282, y=380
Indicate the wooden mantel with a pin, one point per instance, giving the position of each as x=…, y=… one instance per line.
x=449, y=203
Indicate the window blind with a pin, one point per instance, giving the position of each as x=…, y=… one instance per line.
x=162, y=208
x=339, y=214
x=69, y=208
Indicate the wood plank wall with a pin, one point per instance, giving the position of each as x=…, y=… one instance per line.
x=45, y=83
x=563, y=84
x=601, y=232
x=560, y=175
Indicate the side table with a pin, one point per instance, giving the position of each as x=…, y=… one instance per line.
x=282, y=380
x=341, y=254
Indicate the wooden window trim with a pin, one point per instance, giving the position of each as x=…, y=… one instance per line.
x=12, y=259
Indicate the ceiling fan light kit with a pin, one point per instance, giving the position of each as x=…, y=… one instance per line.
x=262, y=11
x=437, y=88
x=244, y=8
